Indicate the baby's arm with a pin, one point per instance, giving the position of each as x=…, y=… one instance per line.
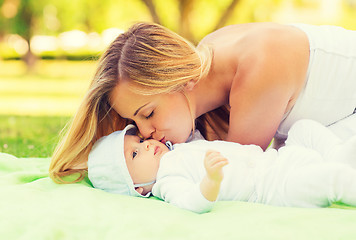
x=210, y=185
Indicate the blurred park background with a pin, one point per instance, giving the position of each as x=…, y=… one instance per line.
x=49, y=49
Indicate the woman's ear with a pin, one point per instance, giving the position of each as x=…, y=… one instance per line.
x=190, y=85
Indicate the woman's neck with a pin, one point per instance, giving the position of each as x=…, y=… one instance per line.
x=209, y=94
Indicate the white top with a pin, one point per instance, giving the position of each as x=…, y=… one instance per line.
x=181, y=171
x=329, y=94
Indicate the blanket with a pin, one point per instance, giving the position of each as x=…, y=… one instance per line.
x=34, y=207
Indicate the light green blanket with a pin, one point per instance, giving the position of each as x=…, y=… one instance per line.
x=33, y=207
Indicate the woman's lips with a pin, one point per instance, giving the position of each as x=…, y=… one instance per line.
x=163, y=140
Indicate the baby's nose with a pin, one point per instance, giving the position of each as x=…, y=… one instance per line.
x=147, y=145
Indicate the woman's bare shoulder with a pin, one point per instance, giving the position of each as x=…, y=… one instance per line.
x=249, y=45
x=240, y=31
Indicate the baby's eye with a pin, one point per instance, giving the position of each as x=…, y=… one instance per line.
x=134, y=154
x=141, y=140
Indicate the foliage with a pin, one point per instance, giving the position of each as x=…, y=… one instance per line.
x=348, y=19
x=192, y=19
x=52, y=17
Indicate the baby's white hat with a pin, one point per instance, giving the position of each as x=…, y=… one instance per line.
x=107, y=168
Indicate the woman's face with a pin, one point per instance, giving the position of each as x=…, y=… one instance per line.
x=163, y=117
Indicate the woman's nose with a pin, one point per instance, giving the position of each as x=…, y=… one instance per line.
x=156, y=135
x=145, y=130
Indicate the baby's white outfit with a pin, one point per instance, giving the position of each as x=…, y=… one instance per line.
x=295, y=175
x=329, y=94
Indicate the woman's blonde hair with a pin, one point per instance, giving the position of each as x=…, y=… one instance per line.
x=155, y=59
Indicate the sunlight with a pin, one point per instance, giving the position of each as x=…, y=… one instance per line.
x=40, y=44
x=72, y=40
x=17, y=43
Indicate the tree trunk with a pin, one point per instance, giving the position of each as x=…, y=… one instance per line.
x=185, y=8
x=27, y=19
x=226, y=15
x=30, y=59
x=151, y=7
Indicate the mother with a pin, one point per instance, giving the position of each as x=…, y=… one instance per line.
x=244, y=83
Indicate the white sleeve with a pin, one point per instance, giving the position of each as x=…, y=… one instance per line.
x=182, y=193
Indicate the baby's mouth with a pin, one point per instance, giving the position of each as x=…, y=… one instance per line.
x=156, y=150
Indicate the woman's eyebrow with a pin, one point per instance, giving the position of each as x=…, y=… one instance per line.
x=139, y=109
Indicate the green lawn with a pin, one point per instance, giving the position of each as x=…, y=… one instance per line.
x=30, y=136
x=34, y=107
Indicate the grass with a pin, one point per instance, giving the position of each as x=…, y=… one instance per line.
x=35, y=106
x=30, y=136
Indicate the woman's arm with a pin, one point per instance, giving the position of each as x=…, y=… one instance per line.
x=256, y=112
x=266, y=84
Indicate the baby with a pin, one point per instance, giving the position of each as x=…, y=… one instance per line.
x=314, y=169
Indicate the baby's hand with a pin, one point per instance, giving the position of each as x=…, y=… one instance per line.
x=213, y=163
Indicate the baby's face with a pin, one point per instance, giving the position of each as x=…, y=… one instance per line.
x=143, y=158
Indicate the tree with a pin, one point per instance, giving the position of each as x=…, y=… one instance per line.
x=19, y=17
x=24, y=27
x=192, y=19
x=222, y=12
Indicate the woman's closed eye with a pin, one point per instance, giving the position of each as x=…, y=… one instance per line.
x=150, y=115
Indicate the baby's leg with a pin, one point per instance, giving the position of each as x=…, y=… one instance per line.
x=320, y=185
x=345, y=128
x=344, y=152
x=313, y=135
